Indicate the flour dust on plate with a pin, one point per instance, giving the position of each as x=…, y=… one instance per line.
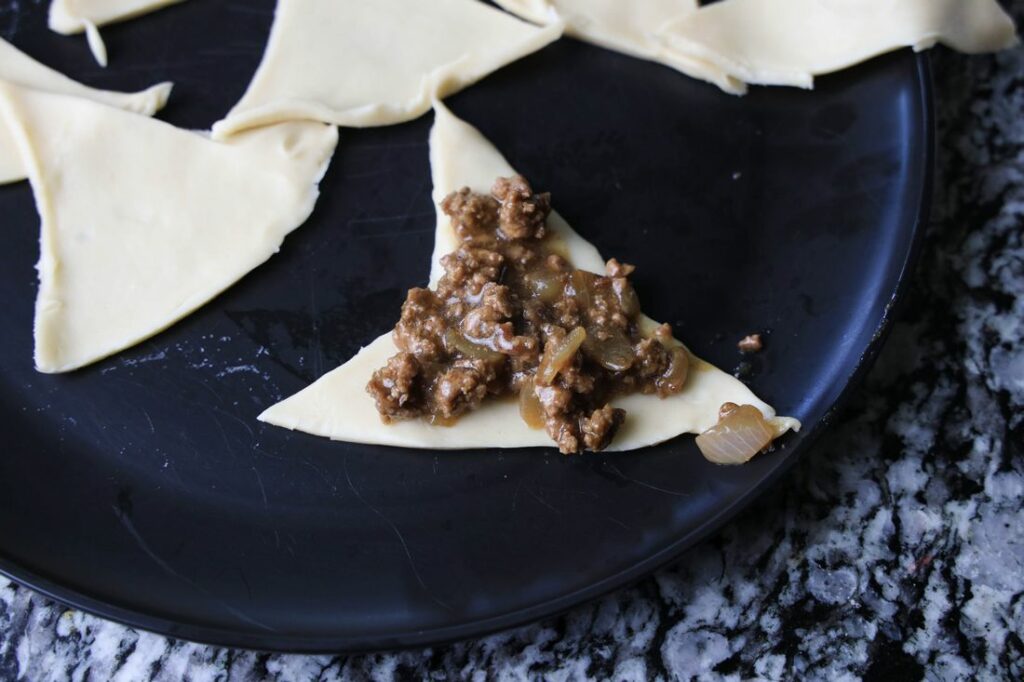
x=148, y=492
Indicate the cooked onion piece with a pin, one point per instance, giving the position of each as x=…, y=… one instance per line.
x=558, y=355
x=741, y=432
x=614, y=352
x=674, y=378
x=547, y=286
x=456, y=341
x=530, y=408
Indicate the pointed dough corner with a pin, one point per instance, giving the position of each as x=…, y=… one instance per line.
x=18, y=68
x=149, y=101
x=789, y=42
x=69, y=17
x=142, y=223
x=627, y=27
x=96, y=44
x=460, y=156
x=536, y=11
x=337, y=405
x=324, y=60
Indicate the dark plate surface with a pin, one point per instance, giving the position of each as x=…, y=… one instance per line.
x=144, y=489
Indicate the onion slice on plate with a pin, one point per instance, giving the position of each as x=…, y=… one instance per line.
x=741, y=432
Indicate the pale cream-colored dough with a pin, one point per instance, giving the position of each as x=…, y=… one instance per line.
x=788, y=42
x=76, y=16
x=627, y=26
x=95, y=42
x=356, y=63
x=142, y=222
x=337, y=405
x=68, y=16
x=18, y=68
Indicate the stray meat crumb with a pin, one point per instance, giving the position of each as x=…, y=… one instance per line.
x=751, y=343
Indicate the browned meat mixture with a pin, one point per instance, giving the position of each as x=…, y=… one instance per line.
x=512, y=317
x=750, y=343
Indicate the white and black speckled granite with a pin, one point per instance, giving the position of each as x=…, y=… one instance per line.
x=895, y=551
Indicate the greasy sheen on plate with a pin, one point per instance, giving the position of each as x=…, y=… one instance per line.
x=511, y=316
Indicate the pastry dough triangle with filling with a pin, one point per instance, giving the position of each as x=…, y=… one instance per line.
x=627, y=27
x=142, y=223
x=788, y=42
x=337, y=405
x=376, y=63
x=75, y=16
x=18, y=68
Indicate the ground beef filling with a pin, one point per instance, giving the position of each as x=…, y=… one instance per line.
x=511, y=317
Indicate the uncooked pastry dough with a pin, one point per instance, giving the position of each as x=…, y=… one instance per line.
x=628, y=26
x=373, y=63
x=75, y=16
x=338, y=406
x=18, y=68
x=142, y=223
x=788, y=42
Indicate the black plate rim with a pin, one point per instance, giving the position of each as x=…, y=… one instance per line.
x=203, y=634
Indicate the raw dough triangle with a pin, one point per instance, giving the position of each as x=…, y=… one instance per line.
x=18, y=68
x=356, y=63
x=629, y=27
x=142, y=223
x=788, y=42
x=75, y=16
x=337, y=405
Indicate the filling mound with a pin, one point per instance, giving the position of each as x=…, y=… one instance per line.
x=512, y=317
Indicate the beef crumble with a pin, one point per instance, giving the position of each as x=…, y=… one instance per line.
x=751, y=343
x=513, y=317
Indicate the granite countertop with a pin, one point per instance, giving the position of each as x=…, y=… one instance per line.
x=895, y=550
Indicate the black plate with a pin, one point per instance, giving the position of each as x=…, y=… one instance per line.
x=144, y=489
